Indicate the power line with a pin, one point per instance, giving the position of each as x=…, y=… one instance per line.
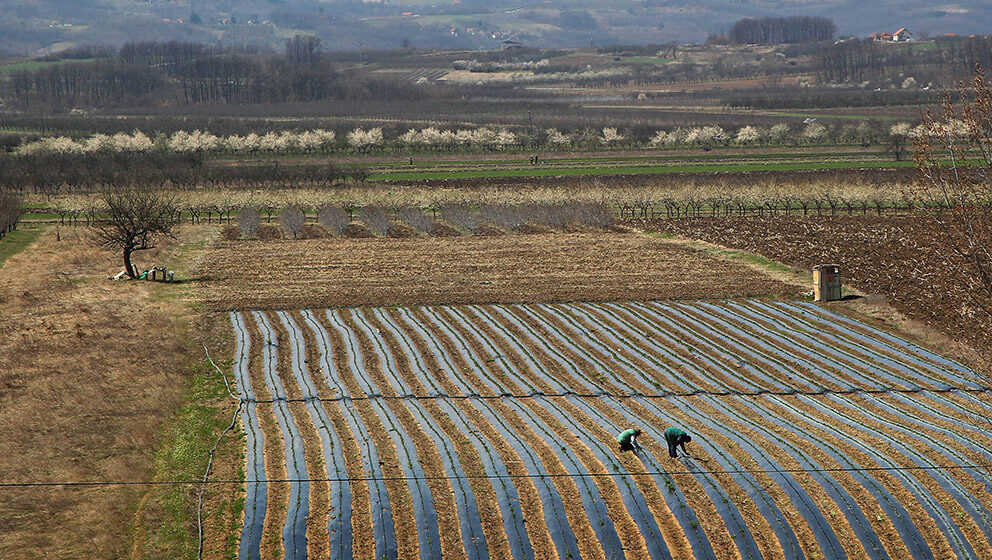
x=483, y=476
x=661, y=395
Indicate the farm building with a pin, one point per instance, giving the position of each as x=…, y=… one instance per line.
x=901, y=36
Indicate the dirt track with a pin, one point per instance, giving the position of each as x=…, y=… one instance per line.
x=519, y=268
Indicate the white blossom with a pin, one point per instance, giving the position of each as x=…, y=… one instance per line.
x=814, y=132
x=749, y=135
x=556, y=138
x=610, y=136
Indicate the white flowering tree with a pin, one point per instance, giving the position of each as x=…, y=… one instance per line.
x=899, y=137
x=610, y=137
x=748, y=135
x=364, y=140
x=814, y=133
x=659, y=139
x=505, y=138
x=779, y=133
x=557, y=139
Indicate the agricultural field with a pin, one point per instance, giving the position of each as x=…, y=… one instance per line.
x=489, y=431
x=291, y=274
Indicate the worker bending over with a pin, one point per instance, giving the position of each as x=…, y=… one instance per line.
x=676, y=437
x=628, y=440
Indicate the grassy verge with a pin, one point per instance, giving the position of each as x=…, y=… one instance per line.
x=634, y=170
x=16, y=241
x=165, y=523
x=775, y=269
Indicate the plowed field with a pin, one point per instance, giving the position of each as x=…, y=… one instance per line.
x=489, y=431
x=293, y=274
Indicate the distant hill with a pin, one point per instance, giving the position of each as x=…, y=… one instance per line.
x=38, y=26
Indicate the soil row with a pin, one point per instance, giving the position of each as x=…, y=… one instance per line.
x=490, y=431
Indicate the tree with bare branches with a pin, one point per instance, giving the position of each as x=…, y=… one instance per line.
x=954, y=186
x=136, y=218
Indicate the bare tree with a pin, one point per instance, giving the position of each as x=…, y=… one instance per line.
x=954, y=186
x=292, y=220
x=333, y=218
x=10, y=213
x=248, y=220
x=136, y=217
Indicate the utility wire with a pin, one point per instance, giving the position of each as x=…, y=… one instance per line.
x=662, y=395
x=493, y=477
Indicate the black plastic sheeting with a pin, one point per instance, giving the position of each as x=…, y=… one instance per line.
x=956, y=372
x=554, y=511
x=633, y=499
x=424, y=510
x=503, y=487
x=946, y=481
x=383, y=530
x=804, y=504
x=731, y=516
x=254, y=521
x=709, y=350
x=845, y=502
x=895, y=510
x=294, y=531
x=470, y=522
x=829, y=358
x=339, y=531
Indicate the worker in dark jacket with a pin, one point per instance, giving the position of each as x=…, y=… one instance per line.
x=628, y=440
x=676, y=437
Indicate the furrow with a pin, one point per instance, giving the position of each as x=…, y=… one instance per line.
x=554, y=509
x=256, y=490
x=294, y=532
x=383, y=529
x=473, y=537
x=339, y=517
x=428, y=537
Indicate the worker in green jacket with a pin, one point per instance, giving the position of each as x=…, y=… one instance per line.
x=628, y=439
x=676, y=437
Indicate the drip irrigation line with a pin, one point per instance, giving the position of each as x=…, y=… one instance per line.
x=210, y=456
x=222, y=375
x=660, y=395
x=496, y=477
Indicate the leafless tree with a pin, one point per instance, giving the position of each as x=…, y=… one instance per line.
x=136, y=217
x=333, y=218
x=248, y=220
x=10, y=213
x=292, y=220
x=954, y=186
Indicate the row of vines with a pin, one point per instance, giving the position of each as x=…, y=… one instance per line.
x=489, y=432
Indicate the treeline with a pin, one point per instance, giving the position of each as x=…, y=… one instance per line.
x=10, y=213
x=149, y=73
x=859, y=61
x=52, y=174
x=771, y=31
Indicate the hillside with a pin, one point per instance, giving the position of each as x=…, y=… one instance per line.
x=37, y=26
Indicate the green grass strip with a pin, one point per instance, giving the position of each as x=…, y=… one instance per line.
x=182, y=455
x=18, y=240
x=645, y=170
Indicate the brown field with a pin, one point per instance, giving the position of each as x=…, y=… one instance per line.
x=893, y=257
x=89, y=371
x=519, y=268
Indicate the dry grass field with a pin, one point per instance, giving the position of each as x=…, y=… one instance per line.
x=90, y=370
x=506, y=269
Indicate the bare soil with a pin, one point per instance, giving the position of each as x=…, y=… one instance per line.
x=554, y=267
x=894, y=259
